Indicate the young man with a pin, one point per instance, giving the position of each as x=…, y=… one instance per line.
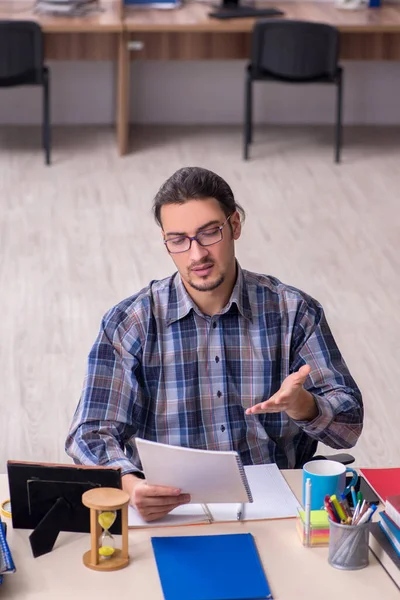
x=213, y=357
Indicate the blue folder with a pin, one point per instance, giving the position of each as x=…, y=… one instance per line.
x=210, y=567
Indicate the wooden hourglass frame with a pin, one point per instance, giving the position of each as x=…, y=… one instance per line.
x=100, y=500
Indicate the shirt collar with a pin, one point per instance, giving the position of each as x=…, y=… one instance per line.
x=180, y=303
x=240, y=295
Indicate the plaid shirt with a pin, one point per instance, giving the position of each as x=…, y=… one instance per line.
x=162, y=370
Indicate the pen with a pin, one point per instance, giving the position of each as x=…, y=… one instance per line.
x=343, y=507
x=207, y=512
x=353, y=496
x=363, y=508
x=239, y=511
x=359, y=496
x=328, y=508
x=346, y=504
x=366, y=516
x=361, y=512
x=308, y=511
x=355, y=513
x=374, y=507
x=339, y=510
x=333, y=509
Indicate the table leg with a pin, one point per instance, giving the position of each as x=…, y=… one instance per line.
x=122, y=116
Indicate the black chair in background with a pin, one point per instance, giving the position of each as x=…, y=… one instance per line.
x=22, y=63
x=342, y=457
x=293, y=52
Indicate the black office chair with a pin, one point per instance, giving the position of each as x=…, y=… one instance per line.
x=341, y=457
x=22, y=63
x=293, y=52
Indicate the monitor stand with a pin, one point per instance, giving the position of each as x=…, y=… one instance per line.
x=44, y=536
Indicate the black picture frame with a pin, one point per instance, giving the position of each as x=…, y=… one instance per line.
x=47, y=498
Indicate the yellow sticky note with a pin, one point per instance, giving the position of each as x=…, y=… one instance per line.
x=318, y=519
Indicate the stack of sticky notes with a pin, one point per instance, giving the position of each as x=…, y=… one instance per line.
x=319, y=532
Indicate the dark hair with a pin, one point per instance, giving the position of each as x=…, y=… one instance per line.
x=192, y=183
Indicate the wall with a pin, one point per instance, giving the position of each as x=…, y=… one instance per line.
x=203, y=92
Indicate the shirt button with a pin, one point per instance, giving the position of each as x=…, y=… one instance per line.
x=222, y=428
x=219, y=394
x=217, y=359
x=214, y=324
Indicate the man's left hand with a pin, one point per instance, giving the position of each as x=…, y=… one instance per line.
x=291, y=398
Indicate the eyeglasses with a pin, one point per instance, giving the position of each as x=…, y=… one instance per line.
x=207, y=237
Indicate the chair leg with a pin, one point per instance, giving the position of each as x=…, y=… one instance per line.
x=339, y=100
x=248, y=116
x=251, y=112
x=46, y=134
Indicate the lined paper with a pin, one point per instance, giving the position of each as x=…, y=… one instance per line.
x=272, y=497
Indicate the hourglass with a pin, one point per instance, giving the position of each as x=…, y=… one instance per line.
x=106, y=520
x=103, y=504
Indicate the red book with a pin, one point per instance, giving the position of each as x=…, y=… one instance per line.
x=385, y=482
x=392, y=508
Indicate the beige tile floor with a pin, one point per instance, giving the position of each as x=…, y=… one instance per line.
x=79, y=236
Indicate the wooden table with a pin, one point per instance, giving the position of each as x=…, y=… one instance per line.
x=97, y=36
x=292, y=570
x=188, y=33
x=366, y=34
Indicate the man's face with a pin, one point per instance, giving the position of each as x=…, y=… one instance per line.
x=203, y=268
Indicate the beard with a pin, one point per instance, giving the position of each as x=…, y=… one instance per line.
x=204, y=286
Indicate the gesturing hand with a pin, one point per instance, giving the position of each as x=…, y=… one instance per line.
x=291, y=398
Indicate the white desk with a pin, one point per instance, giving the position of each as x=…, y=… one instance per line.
x=293, y=572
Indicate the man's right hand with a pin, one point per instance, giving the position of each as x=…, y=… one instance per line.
x=152, y=501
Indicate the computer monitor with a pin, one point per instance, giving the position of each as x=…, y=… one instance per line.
x=231, y=9
x=48, y=499
x=231, y=4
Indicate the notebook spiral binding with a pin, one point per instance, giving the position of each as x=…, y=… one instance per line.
x=244, y=478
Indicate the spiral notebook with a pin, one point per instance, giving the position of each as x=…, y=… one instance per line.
x=208, y=476
x=272, y=499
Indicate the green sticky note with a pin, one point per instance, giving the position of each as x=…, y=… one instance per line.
x=318, y=518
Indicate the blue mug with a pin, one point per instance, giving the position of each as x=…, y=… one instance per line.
x=327, y=477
